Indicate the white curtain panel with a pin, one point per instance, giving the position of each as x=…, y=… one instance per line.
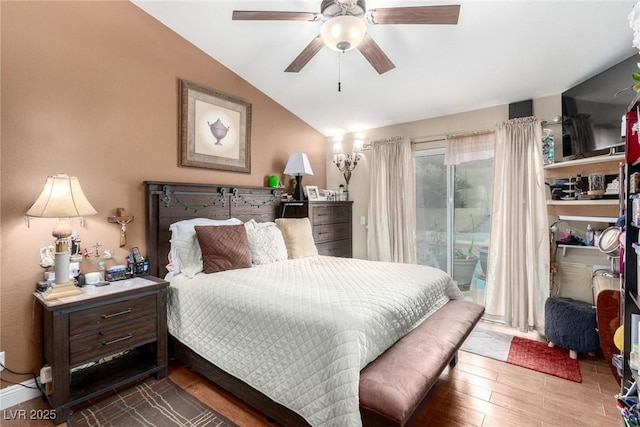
x=469, y=147
x=391, y=233
x=518, y=261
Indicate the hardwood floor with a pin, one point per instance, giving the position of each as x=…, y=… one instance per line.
x=477, y=392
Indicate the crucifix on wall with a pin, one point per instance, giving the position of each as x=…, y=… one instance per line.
x=122, y=219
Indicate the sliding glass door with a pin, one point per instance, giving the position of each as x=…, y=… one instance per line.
x=432, y=202
x=454, y=217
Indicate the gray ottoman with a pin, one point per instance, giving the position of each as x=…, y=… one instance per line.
x=571, y=324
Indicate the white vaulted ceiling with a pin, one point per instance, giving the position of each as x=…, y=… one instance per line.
x=499, y=52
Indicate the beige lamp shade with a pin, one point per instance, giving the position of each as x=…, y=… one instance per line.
x=62, y=197
x=358, y=145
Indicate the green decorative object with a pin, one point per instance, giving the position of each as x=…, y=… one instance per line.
x=274, y=181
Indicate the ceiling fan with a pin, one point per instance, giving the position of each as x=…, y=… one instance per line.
x=344, y=27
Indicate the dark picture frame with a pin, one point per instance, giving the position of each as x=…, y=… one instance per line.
x=215, y=129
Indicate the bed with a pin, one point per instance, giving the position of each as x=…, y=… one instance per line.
x=307, y=341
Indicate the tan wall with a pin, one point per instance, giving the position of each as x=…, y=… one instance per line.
x=544, y=108
x=91, y=89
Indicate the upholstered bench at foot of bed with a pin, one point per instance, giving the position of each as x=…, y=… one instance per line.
x=393, y=386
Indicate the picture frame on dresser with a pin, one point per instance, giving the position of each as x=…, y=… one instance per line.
x=323, y=194
x=215, y=129
x=312, y=192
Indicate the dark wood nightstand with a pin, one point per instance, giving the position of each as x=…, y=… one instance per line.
x=122, y=325
x=330, y=222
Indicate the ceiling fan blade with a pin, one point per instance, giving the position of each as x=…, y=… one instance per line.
x=416, y=15
x=376, y=57
x=249, y=15
x=306, y=55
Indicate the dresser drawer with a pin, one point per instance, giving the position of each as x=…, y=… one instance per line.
x=338, y=248
x=330, y=214
x=107, y=341
x=108, y=315
x=327, y=233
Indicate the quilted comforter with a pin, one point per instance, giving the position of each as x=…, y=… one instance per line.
x=301, y=330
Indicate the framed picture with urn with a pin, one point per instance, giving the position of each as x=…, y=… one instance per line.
x=215, y=129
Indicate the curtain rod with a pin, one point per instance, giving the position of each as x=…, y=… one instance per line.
x=430, y=138
x=444, y=137
x=472, y=133
x=367, y=145
x=383, y=140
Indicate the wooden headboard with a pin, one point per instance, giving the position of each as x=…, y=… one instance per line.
x=168, y=202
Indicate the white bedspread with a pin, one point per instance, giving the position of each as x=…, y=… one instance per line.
x=301, y=330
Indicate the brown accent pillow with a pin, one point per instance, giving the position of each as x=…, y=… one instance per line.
x=224, y=247
x=298, y=237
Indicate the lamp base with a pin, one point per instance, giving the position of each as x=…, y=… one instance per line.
x=298, y=194
x=61, y=290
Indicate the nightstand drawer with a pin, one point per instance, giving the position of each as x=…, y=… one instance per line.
x=330, y=214
x=108, y=315
x=107, y=341
x=327, y=233
x=338, y=248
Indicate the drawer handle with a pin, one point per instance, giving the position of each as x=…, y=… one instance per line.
x=109, y=316
x=126, y=337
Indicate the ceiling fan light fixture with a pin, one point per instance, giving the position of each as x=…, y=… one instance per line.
x=342, y=33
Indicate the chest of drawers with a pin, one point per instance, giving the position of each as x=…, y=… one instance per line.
x=101, y=341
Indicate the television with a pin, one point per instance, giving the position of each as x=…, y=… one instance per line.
x=592, y=111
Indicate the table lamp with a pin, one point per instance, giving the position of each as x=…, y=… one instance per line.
x=298, y=165
x=61, y=198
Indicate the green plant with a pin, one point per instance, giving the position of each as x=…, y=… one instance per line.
x=432, y=183
x=636, y=76
x=460, y=254
x=438, y=243
x=461, y=183
x=468, y=254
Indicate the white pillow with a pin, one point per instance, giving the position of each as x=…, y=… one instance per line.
x=266, y=244
x=181, y=228
x=252, y=223
x=189, y=255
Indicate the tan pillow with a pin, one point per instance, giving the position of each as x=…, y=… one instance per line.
x=298, y=237
x=223, y=247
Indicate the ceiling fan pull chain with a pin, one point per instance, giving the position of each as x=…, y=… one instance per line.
x=339, y=63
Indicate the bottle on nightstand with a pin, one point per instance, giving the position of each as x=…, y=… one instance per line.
x=101, y=270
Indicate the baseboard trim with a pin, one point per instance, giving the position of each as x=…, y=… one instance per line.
x=16, y=394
